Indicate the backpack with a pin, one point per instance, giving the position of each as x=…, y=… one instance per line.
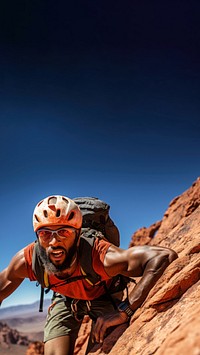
x=96, y=216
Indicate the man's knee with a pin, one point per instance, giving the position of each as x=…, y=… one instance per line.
x=59, y=346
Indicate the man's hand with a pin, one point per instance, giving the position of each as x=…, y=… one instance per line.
x=105, y=322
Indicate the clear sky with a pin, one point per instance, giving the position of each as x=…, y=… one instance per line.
x=97, y=98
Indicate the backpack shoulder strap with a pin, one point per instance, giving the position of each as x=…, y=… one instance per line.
x=40, y=273
x=38, y=267
x=85, y=251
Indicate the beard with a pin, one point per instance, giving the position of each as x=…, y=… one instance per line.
x=50, y=267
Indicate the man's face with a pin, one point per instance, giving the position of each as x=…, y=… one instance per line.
x=57, y=246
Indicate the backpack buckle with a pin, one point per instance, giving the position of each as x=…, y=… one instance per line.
x=74, y=309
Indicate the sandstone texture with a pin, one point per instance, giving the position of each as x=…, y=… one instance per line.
x=35, y=348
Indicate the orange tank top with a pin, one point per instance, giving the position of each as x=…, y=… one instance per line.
x=80, y=289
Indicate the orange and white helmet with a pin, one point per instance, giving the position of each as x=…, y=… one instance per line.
x=55, y=210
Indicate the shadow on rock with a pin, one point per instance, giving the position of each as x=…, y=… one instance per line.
x=110, y=340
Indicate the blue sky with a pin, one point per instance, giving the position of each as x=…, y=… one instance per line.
x=98, y=99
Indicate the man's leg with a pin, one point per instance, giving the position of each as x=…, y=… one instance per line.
x=61, y=329
x=59, y=346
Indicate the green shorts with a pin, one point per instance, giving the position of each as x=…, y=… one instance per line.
x=66, y=314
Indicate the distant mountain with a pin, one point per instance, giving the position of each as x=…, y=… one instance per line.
x=26, y=319
x=23, y=310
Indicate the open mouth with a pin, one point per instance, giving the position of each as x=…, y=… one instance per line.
x=57, y=254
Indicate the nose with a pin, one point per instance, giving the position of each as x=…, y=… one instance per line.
x=54, y=240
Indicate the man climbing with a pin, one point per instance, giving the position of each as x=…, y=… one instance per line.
x=57, y=221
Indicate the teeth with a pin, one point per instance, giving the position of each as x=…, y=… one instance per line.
x=58, y=253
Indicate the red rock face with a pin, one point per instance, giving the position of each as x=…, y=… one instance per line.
x=35, y=348
x=144, y=235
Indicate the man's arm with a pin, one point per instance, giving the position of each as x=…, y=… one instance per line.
x=13, y=275
x=153, y=268
x=146, y=262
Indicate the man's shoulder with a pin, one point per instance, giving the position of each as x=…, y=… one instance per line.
x=93, y=244
x=28, y=251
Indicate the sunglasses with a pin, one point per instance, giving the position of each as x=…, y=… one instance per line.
x=46, y=234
